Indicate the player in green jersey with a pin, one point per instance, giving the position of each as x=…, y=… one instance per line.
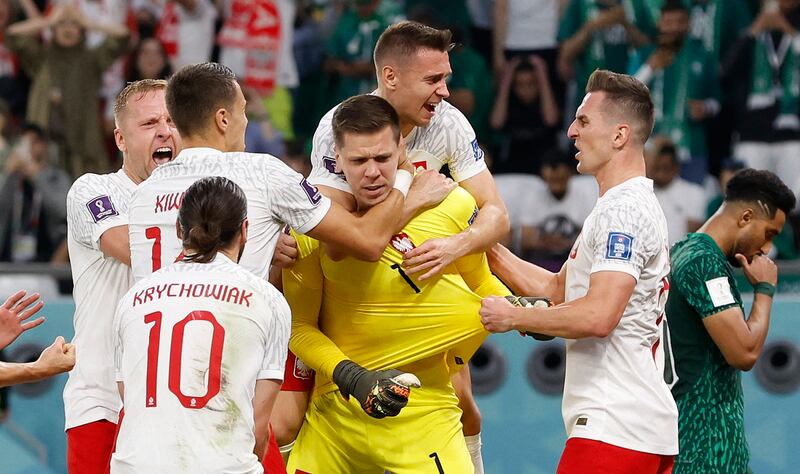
x=711, y=340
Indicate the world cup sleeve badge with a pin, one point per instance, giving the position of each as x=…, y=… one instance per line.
x=101, y=208
x=619, y=246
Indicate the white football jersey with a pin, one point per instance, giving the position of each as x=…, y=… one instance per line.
x=447, y=140
x=95, y=203
x=193, y=339
x=614, y=391
x=276, y=195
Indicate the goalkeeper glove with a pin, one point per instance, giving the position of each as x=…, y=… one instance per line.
x=531, y=302
x=381, y=393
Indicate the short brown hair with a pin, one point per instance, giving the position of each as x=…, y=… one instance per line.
x=196, y=92
x=134, y=89
x=364, y=114
x=404, y=39
x=628, y=97
x=210, y=217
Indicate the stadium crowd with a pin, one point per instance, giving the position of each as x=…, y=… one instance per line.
x=519, y=71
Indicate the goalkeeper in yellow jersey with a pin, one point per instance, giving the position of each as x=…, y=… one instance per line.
x=365, y=327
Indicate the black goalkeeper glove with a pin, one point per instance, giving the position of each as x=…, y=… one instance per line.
x=531, y=302
x=381, y=393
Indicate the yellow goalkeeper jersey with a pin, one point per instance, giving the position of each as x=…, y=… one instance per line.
x=377, y=316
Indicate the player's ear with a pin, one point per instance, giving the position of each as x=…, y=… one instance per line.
x=221, y=119
x=178, y=231
x=338, y=167
x=622, y=135
x=746, y=216
x=120, y=140
x=245, y=226
x=389, y=77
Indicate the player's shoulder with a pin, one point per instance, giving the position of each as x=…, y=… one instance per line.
x=92, y=183
x=696, y=251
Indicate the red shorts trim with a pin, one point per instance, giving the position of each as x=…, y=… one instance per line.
x=583, y=455
x=89, y=447
x=297, y=376
x=272, y=460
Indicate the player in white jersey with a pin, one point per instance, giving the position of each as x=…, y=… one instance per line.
x=618, y=412
x=412, y=66
x=201, y=348
x=208, y=107
x=97, y=238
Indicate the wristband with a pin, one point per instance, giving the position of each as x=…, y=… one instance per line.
x=402, y=181
x=767, y=289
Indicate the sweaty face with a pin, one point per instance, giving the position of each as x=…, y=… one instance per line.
x=592, y=134
x=146, y=135
x=757, y=235
x=369, y=162
x=237, y=123
x=421, y=86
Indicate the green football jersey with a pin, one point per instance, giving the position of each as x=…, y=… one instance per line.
x=707, y=390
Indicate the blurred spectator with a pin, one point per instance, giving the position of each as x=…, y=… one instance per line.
x=66, y=81
x=525, y=27
x=526, y=112
x=481, y=12
x=13, y=89
x=556, y=211
x=765, y=67
x=310, y=95
x=594, y=34
x=297, y=158
x=260, y=135
x=471, y=89
x=683, y=81
x=186, y=28
x=5, y=137
x=729, y=168
x=148, y=61
x=683, y=202
x=33, y=218
x=350, y=49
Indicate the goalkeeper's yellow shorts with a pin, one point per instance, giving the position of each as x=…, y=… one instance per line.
x=338, y=437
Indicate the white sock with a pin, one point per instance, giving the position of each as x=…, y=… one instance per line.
x=474, y=448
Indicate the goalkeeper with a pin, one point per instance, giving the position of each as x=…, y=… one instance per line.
x=377, y=338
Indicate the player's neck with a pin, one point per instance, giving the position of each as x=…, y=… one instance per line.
x=405, y=126
x=717, y=228
x=216, y=142
x=624, y=166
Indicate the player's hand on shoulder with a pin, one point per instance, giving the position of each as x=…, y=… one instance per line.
x=59, y=357
x=761, y=269
x=380, y=393
x=429, y=188
x=285, y=251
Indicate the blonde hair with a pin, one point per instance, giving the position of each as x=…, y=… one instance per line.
x=134, y=89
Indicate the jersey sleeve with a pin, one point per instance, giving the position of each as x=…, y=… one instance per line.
x=92, y=209
x=302, y=285
x=116, y=334
x=323, y=158
x=293, y=199
x=465, y=156
x=706, y=285
x=623, y=240
x=277, y=338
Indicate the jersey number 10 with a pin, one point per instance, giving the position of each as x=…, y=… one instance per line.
x=175, y=353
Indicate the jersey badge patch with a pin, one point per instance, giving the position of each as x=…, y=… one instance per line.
x=476, y=150
x=301, y=371
x=311, y=191
x=402, y=242
x=101, y=207
x=719, y=289
x=619, y=246
x=330, y=165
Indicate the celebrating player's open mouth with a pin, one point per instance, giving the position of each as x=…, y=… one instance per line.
x=163, y=154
